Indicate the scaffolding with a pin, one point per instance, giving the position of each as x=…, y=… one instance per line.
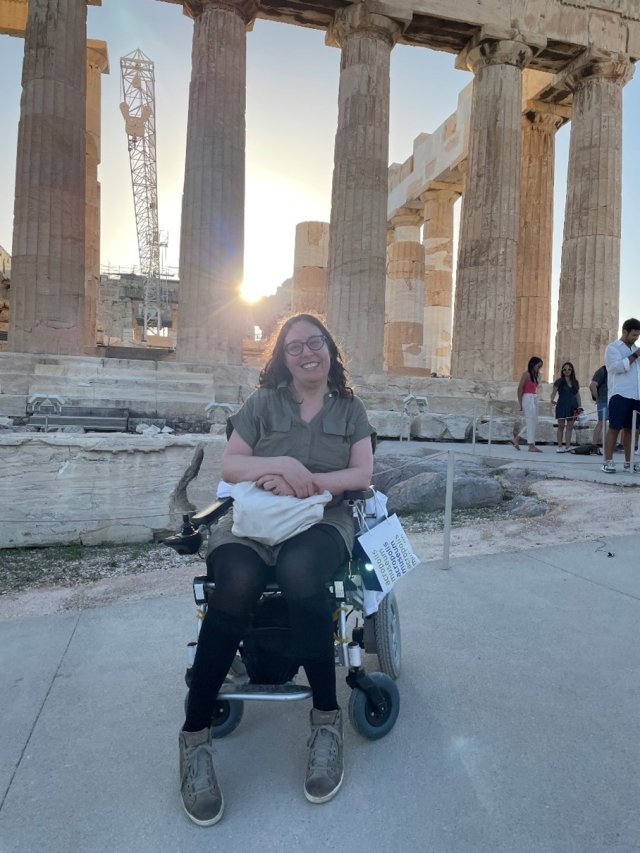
x=138, y=110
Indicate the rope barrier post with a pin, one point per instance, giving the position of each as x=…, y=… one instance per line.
x=473, y=428
x=448, y=506
x=490, y=436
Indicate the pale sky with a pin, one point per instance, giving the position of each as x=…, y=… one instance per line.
x=292, y=87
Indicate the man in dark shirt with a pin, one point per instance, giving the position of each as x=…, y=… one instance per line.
x=599, y=394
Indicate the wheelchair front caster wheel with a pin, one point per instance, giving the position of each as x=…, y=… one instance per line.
x=365, y=718
x=226, y=716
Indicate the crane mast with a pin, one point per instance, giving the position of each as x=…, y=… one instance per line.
x=139, y=111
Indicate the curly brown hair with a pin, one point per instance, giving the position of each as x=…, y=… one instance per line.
x=276, y=371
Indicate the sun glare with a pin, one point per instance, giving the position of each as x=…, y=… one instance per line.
x=251, y=293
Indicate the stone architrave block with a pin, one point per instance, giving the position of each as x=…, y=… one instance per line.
x=426, y=493
x=389, y=424
x=441, y=427
x=59, y=488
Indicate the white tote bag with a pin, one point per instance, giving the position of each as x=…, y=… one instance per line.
x=389, y=551
x=271, y=519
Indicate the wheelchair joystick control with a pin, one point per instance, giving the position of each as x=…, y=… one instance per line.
x=187, y=527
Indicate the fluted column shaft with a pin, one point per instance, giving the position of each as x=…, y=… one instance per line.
x=405, y=296
x=357, y=235
x=48, y=264
x=590, y=273
x=437, y=240
x=97, y=64
x=533, y=283
x=212, y=231
x=310, y=268
x=483, y=330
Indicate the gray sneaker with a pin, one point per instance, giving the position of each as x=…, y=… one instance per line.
x=201, y=795
x=325, y=768
x=609, y=467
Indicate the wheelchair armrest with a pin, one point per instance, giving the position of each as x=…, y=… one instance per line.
x=359, y=494
x=212, y=512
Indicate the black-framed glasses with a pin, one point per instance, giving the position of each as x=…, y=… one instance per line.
x=566, y=370
x=314, y=343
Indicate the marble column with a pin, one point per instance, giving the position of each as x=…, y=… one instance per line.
x=484, y=316
x=588, y=300
x=437, y=240
x=405, y=296
x=310, y=268
x=48, y=265
x=212, y=232
x=533, y=280
x=97, y=64
x=357, y=237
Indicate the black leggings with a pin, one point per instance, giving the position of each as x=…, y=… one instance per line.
x=305, y=563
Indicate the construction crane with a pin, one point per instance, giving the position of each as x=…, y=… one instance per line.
x=139, y=110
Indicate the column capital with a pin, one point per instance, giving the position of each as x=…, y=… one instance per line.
x=358, y=18
x=496, y=46
x=441, y=193
x=546, y=117
x=246, y=9
x=98, y=55
x=598, y=65
x=405, y=216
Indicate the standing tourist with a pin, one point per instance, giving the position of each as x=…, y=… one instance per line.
x=567, y=389
x=600, y=396
x=528, y=400
x=623, y=372
x=302, y=432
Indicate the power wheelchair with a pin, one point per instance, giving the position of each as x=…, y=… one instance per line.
x=265, y=668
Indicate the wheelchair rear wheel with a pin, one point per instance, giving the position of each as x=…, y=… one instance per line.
x=387, y=638
x=363, y=715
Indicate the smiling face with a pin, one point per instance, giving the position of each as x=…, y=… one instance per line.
x=309, y=366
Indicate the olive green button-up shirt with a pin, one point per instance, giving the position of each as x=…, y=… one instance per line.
x=270, y=423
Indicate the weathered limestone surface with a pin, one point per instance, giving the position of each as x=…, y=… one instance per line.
x=48, y=257
x=162, y=389
x=438, y=278
x=212, y=228
x=441, y=427
x=91, y=489
x=310, y=268
x=405, y=296
x=483, y=331
x=533, y=284
x=590, y=274
x=357, y=240
x=97, y=64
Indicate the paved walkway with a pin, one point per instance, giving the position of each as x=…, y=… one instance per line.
x=519, y=728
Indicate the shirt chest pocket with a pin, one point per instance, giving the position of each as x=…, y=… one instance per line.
x=332, y=444
x=275, y=436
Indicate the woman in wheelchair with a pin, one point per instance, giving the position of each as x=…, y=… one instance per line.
x=300, y=433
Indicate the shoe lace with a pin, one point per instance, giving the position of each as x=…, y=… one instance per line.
x=199, y=769
x=323, y=744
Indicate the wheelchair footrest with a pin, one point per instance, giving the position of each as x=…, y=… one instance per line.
x=275, y=692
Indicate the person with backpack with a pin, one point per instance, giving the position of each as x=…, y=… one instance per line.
x=600, y=396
